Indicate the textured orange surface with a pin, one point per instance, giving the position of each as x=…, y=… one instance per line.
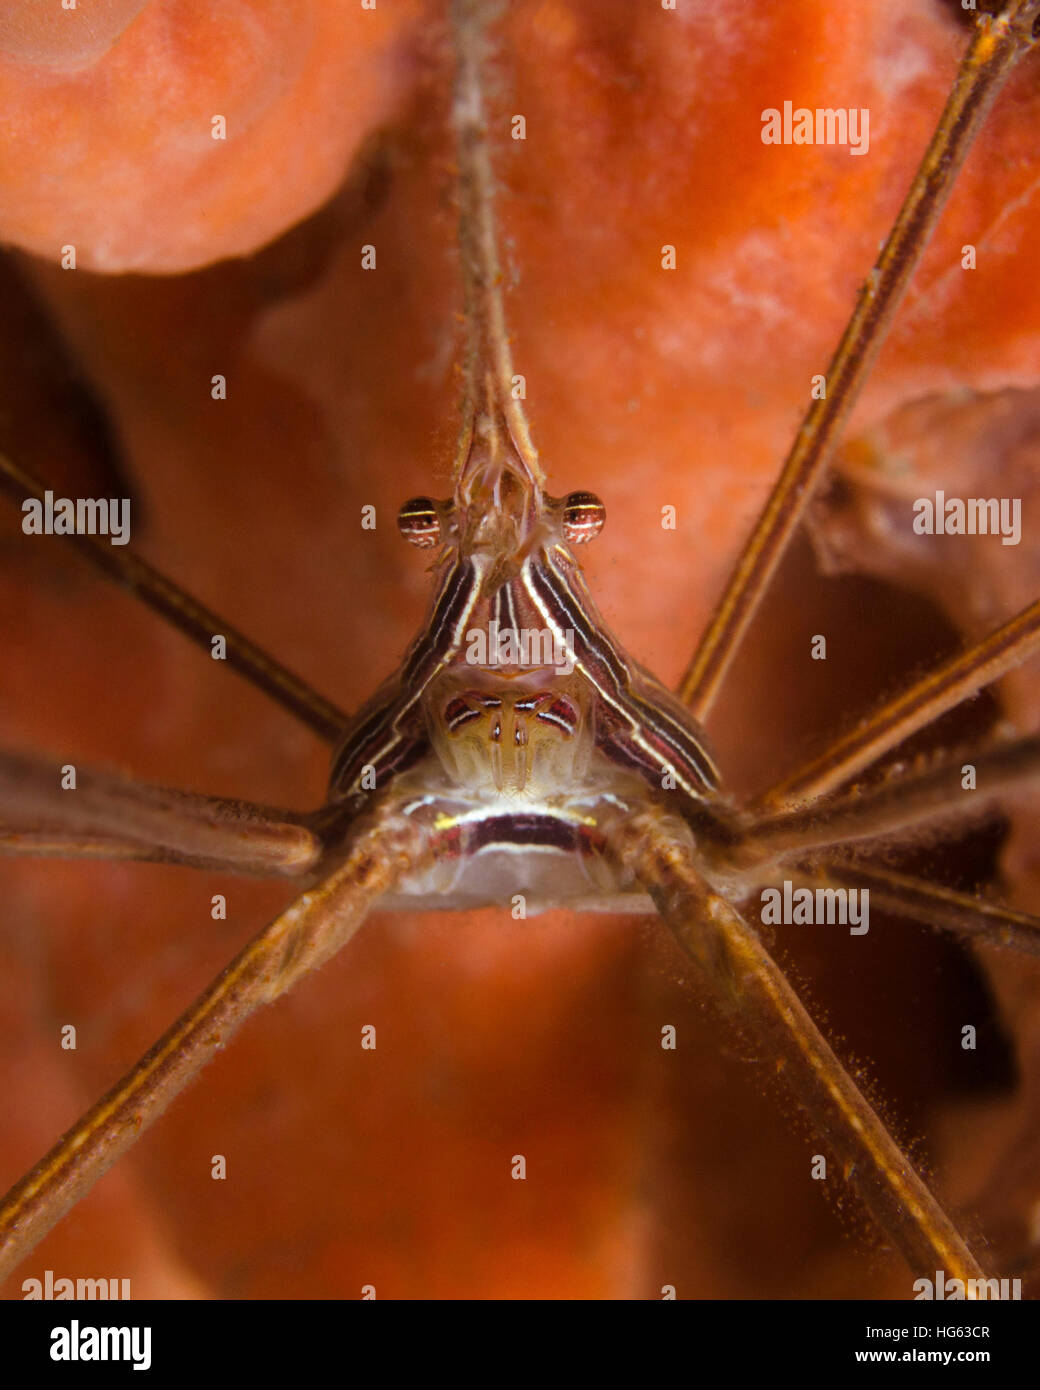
x=657, y=388
x=110, y=108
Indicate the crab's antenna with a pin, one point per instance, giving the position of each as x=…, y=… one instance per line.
x=495, y=431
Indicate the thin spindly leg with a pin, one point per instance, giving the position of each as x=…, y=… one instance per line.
x=995, y=48
x=918, y=706
x=303, y=937
x=152, y=822
x=191, y=617
x=40, y=843
x=896, y=805
x=742, y=976
x=928, y=902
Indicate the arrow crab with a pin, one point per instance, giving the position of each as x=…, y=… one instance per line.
x=560, y=774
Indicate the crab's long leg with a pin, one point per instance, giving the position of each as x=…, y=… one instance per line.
x=913, y=709
x=110, y=811
x=41, y=843
x=189, y=616
x=995, y=48
x=897, y=804
x=304, y=936
x=742, y=975
x=930, y=903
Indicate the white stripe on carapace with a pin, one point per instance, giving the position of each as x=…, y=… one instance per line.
x=606, y=667
x=381, y=739
x=504, y=611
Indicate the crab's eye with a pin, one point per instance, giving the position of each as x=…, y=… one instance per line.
x=419, y=522
x=583, y=517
